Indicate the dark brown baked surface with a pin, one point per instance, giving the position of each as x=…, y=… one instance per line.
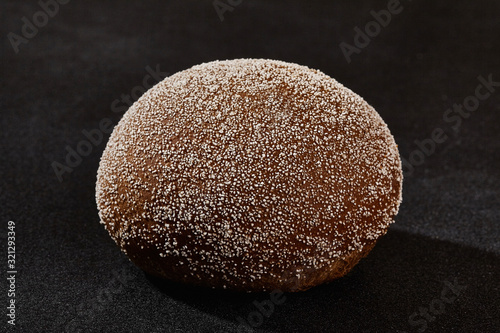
x=251, y=175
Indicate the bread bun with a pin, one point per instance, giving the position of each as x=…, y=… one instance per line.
x=250, y=175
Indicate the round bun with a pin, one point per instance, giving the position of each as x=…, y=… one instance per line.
x=250, y=175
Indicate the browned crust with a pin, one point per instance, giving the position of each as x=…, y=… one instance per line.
x=250, y=175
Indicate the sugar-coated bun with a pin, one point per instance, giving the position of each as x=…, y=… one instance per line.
x=249, y=175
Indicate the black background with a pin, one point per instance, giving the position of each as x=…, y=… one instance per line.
x=65, y=79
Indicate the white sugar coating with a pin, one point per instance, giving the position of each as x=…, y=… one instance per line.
x=246, y=168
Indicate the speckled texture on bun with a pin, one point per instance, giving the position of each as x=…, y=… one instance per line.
x=250, y=175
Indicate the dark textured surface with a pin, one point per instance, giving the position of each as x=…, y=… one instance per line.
x=65, y=79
